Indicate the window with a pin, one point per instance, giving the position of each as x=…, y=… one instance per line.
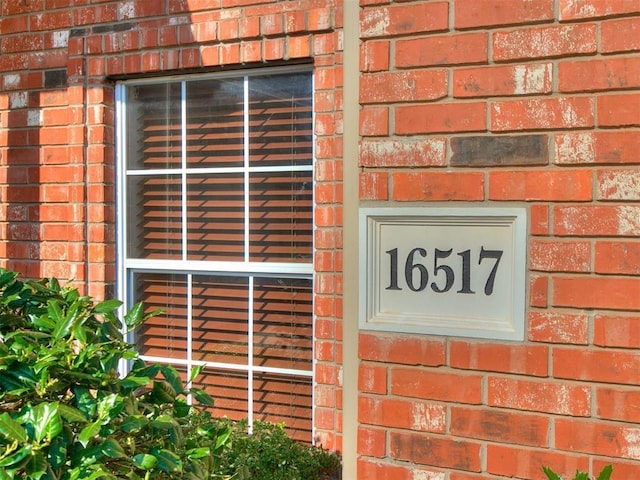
x=215, y=216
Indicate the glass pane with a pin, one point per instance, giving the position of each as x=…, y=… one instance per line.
x=229, y=390
x=280, y=120
x=220, y=319
x=283, y=326
x=281, y=217
x=215, y=216
x=153, y=126
x=284, y=399
x=154, y=217
x=164, y=335
x=215, y=118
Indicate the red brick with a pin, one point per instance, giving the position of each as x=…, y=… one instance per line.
x=542, y=114
x=435, y=450
x=617, y=257
x=473, y=13
x=440, y=118
x=403, y=86
x=374, y=56
x=513, y=461
x=598, y=438
x=499, y=426
x=545, y=42
x=410, y=415
x=599, y=75
x=619, y=110
x=529, y=360
x=431, y=384
x=597, y=292
x=374, y=121
x=383, y=471
x=601, y=365
x=620, y=35
x=553, y=185
x=597, y=147
x=441, y=50
x=554, y=256
x=372, y=378
x=618, y=184
x=604, y=220
x=615, y=403
x=558, y=327
x=404, y=19
x=371, y=441
x=539, y=219
x=539, y=396
x=581, y=9
x=402, y=152
x=437, y=186
x=502, y=81
x=401, y=349
x=616, y=331
x=373, y=186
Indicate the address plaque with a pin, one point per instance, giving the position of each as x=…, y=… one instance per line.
x=444, y=271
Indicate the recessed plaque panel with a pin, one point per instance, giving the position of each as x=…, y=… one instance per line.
x=444, y=271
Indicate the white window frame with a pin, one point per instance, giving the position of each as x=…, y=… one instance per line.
x=126, y=267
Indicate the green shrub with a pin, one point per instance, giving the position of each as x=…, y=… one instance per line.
x=269, y=454
x=65, y=414
x=605, y=474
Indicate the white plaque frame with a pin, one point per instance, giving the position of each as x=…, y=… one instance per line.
x=444, y=271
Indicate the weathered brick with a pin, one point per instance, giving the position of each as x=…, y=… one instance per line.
x=402, y=349
x=495, y=151
x=616, y=331
x=601, y=147
x=599, y=75
x=374, y=56
x=503, y=80
x=545, y=42
x=554, y=256
x=442, y=50
x=374, y=186
x=618, y=403
x=562, y=185
x=437, y=186
x=581, y=9
x=435, y=450
x=598, y=438
x=600, y=220
x=542, y=114
x=618, y=184
x=402, y=152
x=403, y=86
x=407, y=414
x=620, y=35
x=472, y=13
x=499, y=426
x=602, y=365
x=440, y=118
x=404, y=19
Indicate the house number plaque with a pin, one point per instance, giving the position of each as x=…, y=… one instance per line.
x=443, y=271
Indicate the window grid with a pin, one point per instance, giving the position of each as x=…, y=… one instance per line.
x=246, y=269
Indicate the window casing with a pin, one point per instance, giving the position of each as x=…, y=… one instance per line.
x=215, y=225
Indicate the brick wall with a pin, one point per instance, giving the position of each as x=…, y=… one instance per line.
x=58, y=63
x=510, y=103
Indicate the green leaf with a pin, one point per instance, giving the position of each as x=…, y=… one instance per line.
x=163, y=392
x=134, y=423
x=167, y=460
x=145, y=461
x=11, y=429
x=551, y=475
x=112, y=449
x=17, y=457
x=62, y=323
x=58, y=452
x=46, y=421
x=71, y=414
x=195, y=371
x=107, y=306
x=88, y=432
x=36, y=466
x=202, y=396
x=606, y=472
x=135, y=316
x=199, y=452
x=172, y=376
x=134, y=381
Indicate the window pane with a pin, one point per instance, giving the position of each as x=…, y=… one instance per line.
x=281, y=217
x=229, y=390
x=154, y=217
x=284, y=399
x=280, y=120
x=282, y=329
x=215, y=215
x=153, y=126
x=164, y=335
x=220, y=319
x=215, y=131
